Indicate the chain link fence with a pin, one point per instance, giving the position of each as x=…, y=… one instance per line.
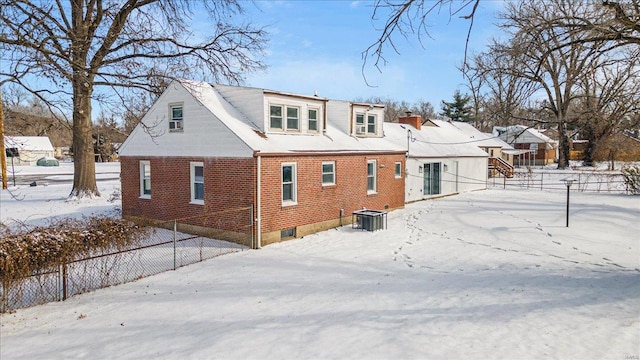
x=600, y=182
x=166, y=246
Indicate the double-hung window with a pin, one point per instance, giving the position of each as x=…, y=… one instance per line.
x=328, y=173
x=313, y=119
x=289, y=184
x=398, y=170
x=145, y=179
x=284, y=118
x=371, y=124
x=293, y=118
x=197, y=183
x=366, y=124
x=175, y=118
x=275, y=117
x=371, y=177
x=361, y=128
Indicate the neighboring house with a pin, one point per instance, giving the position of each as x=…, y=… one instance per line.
x=501, y=154
x=303, y=163
x=441, y=160
x=30, y=149
x=534, y=148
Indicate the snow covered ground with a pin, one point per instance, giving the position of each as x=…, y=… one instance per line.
x=491, y=274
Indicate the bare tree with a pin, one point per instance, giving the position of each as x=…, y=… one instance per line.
x=535, y=44
x=615, y=22
x=411, y=18
x=610, y=97
x=72, y=53
x=500, y=94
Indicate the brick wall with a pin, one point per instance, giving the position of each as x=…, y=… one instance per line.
x=228, y=184
x=317, y=203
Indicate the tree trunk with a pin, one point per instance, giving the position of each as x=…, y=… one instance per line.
x=563, y=151
x=590, y=150
x=84, y=166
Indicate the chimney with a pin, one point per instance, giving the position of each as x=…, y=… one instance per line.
x=413, y=120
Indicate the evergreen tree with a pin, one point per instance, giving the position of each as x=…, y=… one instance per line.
x=459, y=109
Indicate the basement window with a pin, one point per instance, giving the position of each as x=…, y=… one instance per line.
x=288, y=233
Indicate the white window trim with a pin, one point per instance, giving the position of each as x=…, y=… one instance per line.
x=333, y=164
x=171, y=106
x=398, y=174
x=375, y=177
x=317, y=110
x=192, y=181
x=294, y=183
x=361, y=129
x=143, y=164
x=285, y=119
x=375, y=124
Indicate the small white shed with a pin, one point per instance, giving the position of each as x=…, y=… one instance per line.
x=29, y=148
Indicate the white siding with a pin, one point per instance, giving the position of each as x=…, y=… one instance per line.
x=470, y=174
x=204, y=134
x=338, y=115
x=302, y=103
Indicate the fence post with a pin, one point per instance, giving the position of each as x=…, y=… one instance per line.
x=4, y=304
x=175, y=230
x=64, y=281
x=252, y=227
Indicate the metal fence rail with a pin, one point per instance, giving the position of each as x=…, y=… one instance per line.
x=549, y=180
x=162, y=250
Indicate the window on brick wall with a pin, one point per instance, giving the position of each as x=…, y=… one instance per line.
x=289, y=184
x=371, y=177
x=145, y=179
x=197, y=183
x=328, y=173
x=398, y=170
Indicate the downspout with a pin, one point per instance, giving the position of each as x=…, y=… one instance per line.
x=258, y=204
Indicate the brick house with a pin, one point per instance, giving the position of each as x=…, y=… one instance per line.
x=302, y=163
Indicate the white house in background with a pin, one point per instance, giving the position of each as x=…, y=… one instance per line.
x=501, y=154
x=440, y=159
x=30, y=149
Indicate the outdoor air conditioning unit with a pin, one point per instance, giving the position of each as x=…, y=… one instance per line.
x=361, y=129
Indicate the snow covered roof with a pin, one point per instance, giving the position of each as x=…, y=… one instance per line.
x=333, y=140
x=481, y=139
x=441, y=140
x=520, y=134
x=28, y=143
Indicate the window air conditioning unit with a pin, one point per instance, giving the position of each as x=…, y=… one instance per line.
x=361, y=129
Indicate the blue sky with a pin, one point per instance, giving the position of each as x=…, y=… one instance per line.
x=318, y=45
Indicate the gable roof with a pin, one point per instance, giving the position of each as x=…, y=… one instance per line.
x=440, y=140
x=479, y=138
x=28, y=143
x=520, y=134
x=223, y=110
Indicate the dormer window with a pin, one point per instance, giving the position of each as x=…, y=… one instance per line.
x=313, y=119
x=371, y=124
x=366, y=127
x=293, y=118
x=277, y=120
x=361, y=128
